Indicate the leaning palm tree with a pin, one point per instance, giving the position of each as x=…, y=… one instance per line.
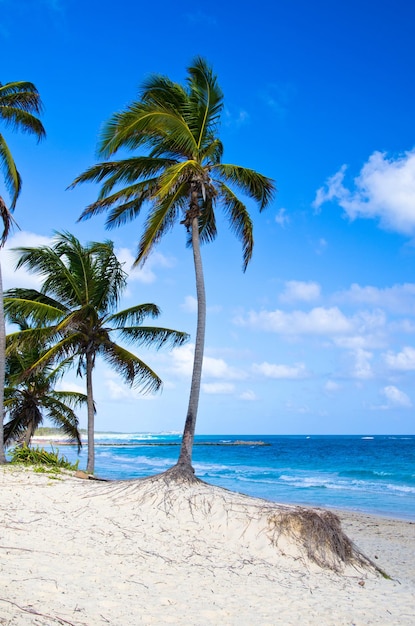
x=19, y=105
x=76, y=305
x=30, y=395
x=182, y=178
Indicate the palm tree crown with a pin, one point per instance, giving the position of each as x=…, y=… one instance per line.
x=30, y=397
x=77, y=305
x=181, y=178
x=19, y=105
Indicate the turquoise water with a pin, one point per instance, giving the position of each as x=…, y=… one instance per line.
x=374, y=474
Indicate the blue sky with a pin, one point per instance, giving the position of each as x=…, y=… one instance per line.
x=318, y=336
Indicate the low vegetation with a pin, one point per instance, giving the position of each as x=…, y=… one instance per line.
x=39, y=457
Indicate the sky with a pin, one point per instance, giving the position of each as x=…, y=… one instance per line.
x=318, y=336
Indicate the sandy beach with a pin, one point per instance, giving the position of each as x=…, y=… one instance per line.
x=86, y=552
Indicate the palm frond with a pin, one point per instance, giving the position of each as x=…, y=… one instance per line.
x=132, y=369
x=63, y=416
x=20, y=303
x=11, y=176
x=133, y=315
x=128, y=203
x=240, y=222
x=205, y=101
x=153, y=337
x=207, y=222
x=161, y=219
x=23, y=94
x=21, y=119
x=143, y=125
x=255, y=185
x=7, y=218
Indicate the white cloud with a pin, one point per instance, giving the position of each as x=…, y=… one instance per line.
x=66, y=385
x=271, y=370
x=118, y=391
x=318, y=321
x=236, y=118
x=331, y=386
x=248, y=395
x=20, y=278
x=398, y=298
x=218, y=388
x=146, y=273
x=189, y=305
x=321, y=245
x=282, y=218
x=384, y=190
x=362, y=368
x=396, y=397
x=404, y=360
x=296, y=290
x=212, y=367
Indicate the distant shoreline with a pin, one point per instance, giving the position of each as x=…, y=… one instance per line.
x=62, y=442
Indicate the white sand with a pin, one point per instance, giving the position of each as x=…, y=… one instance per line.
x=90, y=553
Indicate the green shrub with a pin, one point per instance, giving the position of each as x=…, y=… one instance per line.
x=25, y=455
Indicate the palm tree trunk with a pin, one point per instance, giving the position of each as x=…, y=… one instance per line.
x=185, y=458
x=2, y=372
x=91, y=414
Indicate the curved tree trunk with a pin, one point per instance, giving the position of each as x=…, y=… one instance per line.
x=2, y=372
x=184, y=463
x=91, y=415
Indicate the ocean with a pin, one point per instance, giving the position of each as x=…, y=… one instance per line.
x=372, y=474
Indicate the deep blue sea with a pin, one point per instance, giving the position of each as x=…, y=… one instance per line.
x=373, y=474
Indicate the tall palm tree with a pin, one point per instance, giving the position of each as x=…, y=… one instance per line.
x=181, y=179
x=77, y=305
x=19, y=105
x=30, y=397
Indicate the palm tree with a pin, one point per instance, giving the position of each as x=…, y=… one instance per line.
x=77, y=305
x=30, y=397
x=19, y=104
x=181, y=178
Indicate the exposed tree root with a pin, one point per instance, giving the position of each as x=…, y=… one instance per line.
x=320, y=534
x=312, y=534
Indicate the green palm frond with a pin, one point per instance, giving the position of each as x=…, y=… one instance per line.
x=152, y=336
x=18, y=302
x=63, y=416
x=128, y=203
x=212, y=151
x=240, y=222
x=19, y=102
x=207, y=223
x=175, y=176
x=132, y=369
x=22, y=95
x=133, y=315
x=205, y=101
x=21, y=120
x=160, y=220
x=58, y=278
x=248, y=181
x=7, y=218
x=11, y=178
x=127, y=170
x=142, y=125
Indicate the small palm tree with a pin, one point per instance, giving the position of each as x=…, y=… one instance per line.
x=77, y=305
x=30, y=395
x=19, y=105
x=182, y=178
